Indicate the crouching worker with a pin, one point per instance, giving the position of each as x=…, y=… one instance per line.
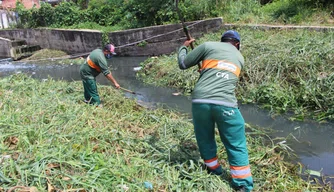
x=214, y=102
x=95, y=64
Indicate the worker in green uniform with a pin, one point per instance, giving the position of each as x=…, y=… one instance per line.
x=95, y=64
x=214, y=102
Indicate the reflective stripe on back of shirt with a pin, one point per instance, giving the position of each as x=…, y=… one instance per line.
x=222, y=65
x=93, y=65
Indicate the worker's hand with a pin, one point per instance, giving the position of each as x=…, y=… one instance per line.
x=117, y=85
x=188, y=42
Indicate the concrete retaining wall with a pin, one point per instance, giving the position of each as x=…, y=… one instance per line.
x=5, y=47
x=70, y=41
x=16, y=49
x=146, y=41
x=158, y=40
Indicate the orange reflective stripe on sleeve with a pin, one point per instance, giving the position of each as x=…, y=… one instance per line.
x=240, y=172
x=93, y=65
x=221, y=64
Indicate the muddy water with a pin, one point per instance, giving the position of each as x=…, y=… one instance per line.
x=312, y=142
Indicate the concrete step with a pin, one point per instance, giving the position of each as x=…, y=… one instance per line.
x=16, y=43
x=16, y=49
x=23, y=51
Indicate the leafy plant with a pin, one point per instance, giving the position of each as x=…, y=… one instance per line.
x=284, y=71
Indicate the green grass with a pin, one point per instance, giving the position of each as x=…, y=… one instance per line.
x=95, y=26
x=285, y=70
x=51, y=140
x=296, y=12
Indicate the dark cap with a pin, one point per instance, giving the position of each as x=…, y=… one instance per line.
x=231, y=34
x=111, y=48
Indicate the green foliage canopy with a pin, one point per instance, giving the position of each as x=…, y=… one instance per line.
x=141, y=13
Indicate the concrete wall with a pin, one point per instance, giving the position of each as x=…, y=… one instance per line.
x=159, y=40
x=5, y=47
x=70, y=41
x=16, y=49
x=146, y=41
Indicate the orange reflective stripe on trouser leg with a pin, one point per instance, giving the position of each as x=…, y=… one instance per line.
x=212, y=163
x=240, y=172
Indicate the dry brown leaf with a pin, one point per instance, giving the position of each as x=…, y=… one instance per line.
x=95, y=148
x=119, y=150
x=50, y=186
x=53, y=165
x=12, y=140
x=23, y=189
x=76, y=190
x=141, y=132
x=33, y=189
x=47, y=172
x=127, y=161
x=66, y=178
x=15, y=156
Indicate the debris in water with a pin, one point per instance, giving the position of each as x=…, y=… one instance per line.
x=137, y=68
x=314, y=173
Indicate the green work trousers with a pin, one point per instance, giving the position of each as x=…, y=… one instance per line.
x=90, y=91
x=231, y=129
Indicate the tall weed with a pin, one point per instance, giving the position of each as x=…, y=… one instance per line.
x=52, y=141
x=285, y=70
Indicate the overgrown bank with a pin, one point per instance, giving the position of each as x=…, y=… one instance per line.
x=285, y=71
x=51, y=140
x=141, y=13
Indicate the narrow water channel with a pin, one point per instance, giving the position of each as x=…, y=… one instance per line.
x=311, y=141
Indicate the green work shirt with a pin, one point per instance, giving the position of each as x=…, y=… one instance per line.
x=97, y=56
x=220, y=64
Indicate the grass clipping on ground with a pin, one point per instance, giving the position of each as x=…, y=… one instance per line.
x=51, y=141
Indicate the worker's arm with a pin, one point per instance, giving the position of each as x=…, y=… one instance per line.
x=104, y=69
x=111, y=78
x=194, y=57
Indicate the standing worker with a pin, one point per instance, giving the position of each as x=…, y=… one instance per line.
x=214, y=102
x=95, y=64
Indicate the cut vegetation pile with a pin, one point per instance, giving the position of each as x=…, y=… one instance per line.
x=51, y=141
x=46, y=54
x=56, y=56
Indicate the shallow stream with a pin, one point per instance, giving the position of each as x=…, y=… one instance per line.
x=311, y=141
